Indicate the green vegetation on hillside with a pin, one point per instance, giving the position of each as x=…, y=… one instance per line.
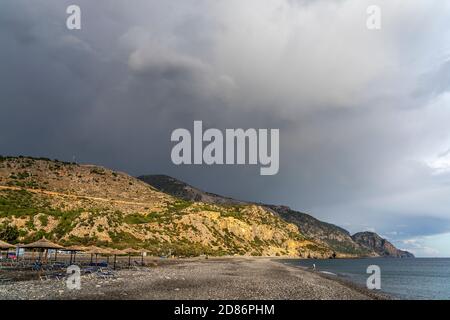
x=9, y=233
x=89, y=205
x=17, y=203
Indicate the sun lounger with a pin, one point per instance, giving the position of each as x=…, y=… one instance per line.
x=53, y=276
x=90, y=269
x=105, y=273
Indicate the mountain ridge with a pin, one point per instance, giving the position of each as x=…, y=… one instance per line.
x=383, y=247
x=75, y=204
x=339, y=240
x=92, y=205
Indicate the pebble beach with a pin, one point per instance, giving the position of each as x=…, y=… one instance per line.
x=215, y=278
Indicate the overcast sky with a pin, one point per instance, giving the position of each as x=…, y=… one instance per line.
x=364, y=115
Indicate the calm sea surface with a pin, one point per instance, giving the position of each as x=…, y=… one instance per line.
x=418, y=278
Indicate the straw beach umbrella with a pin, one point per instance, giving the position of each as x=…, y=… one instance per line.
x=96, y=250
x=45, y=245
x=116, y=253
x=130, y=252
x=92, y=250
x=73, y=251
x=6, y=246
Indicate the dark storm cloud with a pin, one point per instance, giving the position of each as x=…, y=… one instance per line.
x=362, y=115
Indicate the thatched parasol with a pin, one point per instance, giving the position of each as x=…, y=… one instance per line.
x=73, y=251
x=44, y=244
x=96, y=250
x=76, y=248
x=130, y=252
x=116, y=253
x=6, y=246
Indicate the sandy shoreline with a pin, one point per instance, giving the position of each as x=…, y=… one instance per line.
x=214, y=278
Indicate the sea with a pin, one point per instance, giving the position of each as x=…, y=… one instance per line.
x=411, y=278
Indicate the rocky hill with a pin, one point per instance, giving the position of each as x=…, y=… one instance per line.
x=382, y=247
x=185, y=191
x=91, y=205
x=337, y=239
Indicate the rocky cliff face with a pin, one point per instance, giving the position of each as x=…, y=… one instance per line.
x=91, y=205
x=336, y=239
x=382, y=247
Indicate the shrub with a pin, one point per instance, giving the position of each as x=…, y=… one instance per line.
x=9, y=233
x=98, y=171
x=44, y=220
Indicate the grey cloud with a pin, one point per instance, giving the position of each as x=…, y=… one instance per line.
x=359, y=113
